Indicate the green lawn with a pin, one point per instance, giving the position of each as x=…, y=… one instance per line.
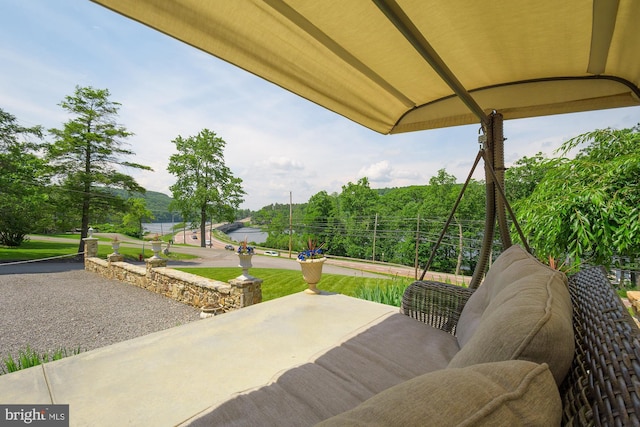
x=278, y=283
x=36, y=249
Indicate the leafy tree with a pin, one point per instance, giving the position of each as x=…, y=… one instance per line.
x=357, y=205
x=22, y=180
x=319, y=218
x=399, y=210
x=137, y=212
x=588, y=208
x=205, y=187
x=522, y=178
x=277, y=230
x=471, y=214
x=86, y=152
x=443, y=192
x=347, y=222
x=274, y=219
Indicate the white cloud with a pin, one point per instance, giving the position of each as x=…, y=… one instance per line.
x=277, y=142
x=282, y=165
x=380, y=172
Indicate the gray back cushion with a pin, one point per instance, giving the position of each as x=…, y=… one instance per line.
x=521, y=311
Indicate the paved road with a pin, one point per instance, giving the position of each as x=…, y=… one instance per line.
x=217, y=256
x=207, y=257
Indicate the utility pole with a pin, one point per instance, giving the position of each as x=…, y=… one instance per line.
x=375, y=228
x=290, y=220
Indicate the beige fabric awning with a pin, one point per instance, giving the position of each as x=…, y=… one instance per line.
x=406, y=65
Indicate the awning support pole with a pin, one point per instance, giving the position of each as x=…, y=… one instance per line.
x=492, y=152
x=495, y=206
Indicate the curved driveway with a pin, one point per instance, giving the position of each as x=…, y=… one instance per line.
x=217, y=256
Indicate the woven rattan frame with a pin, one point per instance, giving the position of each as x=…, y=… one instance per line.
x=602, y=387
x=437, y=304
x=603, y=384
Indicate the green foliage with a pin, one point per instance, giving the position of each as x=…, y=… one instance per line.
x=522, y=178
x=347, y=222
x=22, y=181
x=137, y=212
x=319, y=218
x=37, y=249
x=28, y=358
x=157, y=203
x=357, y=205
x=588, y=208
x=86, y=155
x=278, y=283
x=205, y=188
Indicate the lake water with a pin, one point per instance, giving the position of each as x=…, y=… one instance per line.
x=252, y=234
x=157, y=227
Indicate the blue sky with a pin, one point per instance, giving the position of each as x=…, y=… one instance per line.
x=276, y=141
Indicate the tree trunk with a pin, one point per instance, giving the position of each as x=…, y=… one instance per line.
x=86, y=196
x=203, y=226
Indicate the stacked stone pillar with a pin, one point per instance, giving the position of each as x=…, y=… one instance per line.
x=249, y=290
x=90, y=247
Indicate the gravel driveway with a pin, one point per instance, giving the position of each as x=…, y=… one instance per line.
x=55, y=306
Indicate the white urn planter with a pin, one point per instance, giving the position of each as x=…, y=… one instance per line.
x=210, y=311
x=156, y=247
x=311, y=273
x=245, y=264
x=116, y=247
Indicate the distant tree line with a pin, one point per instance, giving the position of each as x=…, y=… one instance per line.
x=398, y=225
x=574, y=211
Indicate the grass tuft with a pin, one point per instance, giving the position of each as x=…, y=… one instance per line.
x=28, y=358
x=390, y=294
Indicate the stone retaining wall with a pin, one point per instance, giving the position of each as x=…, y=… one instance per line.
x=185, y=287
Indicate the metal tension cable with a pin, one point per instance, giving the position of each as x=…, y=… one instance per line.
x=481, y=155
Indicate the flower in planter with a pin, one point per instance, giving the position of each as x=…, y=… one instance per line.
x=244, y=249
x=313, y=251
x=115, y=239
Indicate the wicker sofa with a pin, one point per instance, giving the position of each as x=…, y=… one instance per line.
x=505, y=354
x=601, y=388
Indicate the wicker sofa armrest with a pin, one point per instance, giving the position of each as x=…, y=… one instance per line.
x=603, y=383
x=435, y=303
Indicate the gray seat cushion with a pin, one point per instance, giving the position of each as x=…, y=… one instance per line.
x=510, y=393
x=389, y=353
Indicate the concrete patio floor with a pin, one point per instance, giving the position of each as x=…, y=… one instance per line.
x=168, y=377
